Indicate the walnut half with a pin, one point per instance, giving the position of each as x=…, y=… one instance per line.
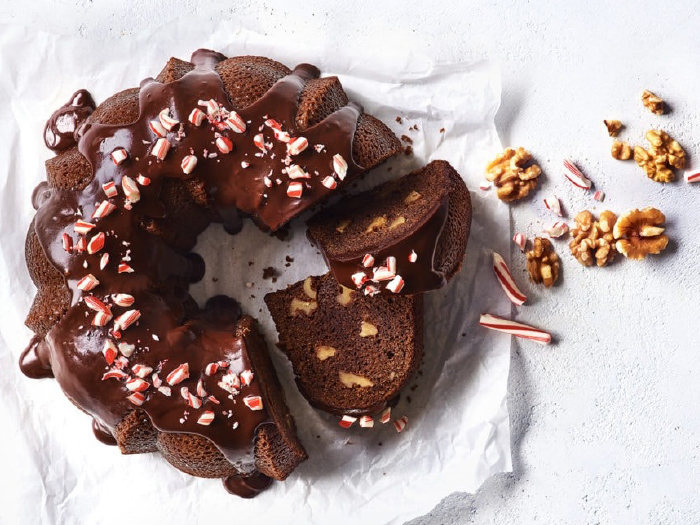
x=652, y=102
x=542, y=262
x=593, y=241
x=621, y=150
x=640, y=233
x=511, y=174
x=660, y=159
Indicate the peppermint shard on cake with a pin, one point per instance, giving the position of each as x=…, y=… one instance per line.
x=406, y=236
x=351, y=354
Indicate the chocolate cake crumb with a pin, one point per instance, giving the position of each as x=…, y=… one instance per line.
x=399, y=120
x=407, y=139
x=408, y=150
x=250, y=263
x=215, y=279
x=442, y=130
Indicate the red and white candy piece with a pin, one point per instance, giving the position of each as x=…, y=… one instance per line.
x=82, y=227
x=110, y=189
x=368, y=261
x=196, y=117
x=599, y=195
x=267, y=181
x=131, y=189
x=340, y=166
x=126, y=319
x=136, y=384
x=297, y=172
x=366, y=422
x=137, y=398
x=178, y=375
x=161, y=148
x=206, y=418
x=259, y=142
x=382, y=273
x=96, y=243
x=507, y=326
x=574, y=175
x=552, y=204
x=211, y=369
x=253, y=402
x=123, y=299
x=94, y=304
x=201, y=391
x=103, y=209
x=272, y=123
x=329, y=182
x=282, y=136
x=124, y=268
x=143, y=371
x=347, y=421
x=386, y=416
x=295, y=189
x=166, y=120
x=692, y=176
x=126, y=349
x=557, y=229
x=297, y=145
x=101, y=318
x=235, y=122
x=188, y=163
x=413, y=256
x=104, y=260
x=119, y=155
x=485, y=186
x=400, y=424
x=67, y=242
x=396, y=284
x=246, y=377
x=244, y=164
x=88, y=283
x=110, y=352
x=359, y=279
x=114, y=374
x=230, y=382
x=520, y=240
x=157, y=128
x=143, y=180
x=191, y=399
x=81, y=245
x=505, y=278
x=165, y=390
x=156, y=380
x=391, y=263
x=224, y=144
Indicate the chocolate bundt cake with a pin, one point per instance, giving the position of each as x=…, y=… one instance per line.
x=351, y=354
x=405, y=236
x=215, y=139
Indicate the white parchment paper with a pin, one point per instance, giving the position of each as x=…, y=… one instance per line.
x=54, y=471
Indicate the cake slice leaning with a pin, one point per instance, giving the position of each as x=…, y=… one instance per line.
x=406, y=236
x=351, y=354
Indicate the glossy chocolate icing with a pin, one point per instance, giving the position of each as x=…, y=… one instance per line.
x=419, y=276
x=60, y=130
x=165, y=336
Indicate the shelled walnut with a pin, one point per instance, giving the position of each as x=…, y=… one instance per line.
x=613, y=126
x=640, y=233
x=542, y=262
x=621, y=150
x=511, y=174
x=663, y=155
x=652, y=102
x=593, y=241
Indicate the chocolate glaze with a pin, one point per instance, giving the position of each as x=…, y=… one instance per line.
x=420, y=276
x=34, y=361
x=60, y=130
x=103, y=434
x=248, y=486
x=164, y=337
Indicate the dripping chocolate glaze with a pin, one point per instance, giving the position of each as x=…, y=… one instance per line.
x=60, y=129
x=419, y=276
x=164, y=337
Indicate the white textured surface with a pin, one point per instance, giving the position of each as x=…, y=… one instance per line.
x=605, y=426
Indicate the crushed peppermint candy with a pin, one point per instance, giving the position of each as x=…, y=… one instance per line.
x=87, y=283
x=520, y=240
x=366, y=422
x=161, y=148
x=368, y=261
x=196, y=117
x=505, y=278
x=110, y=189
x=178, y=375
x=347, y=421
x=329, y=182
x=557, y=229
x=295, y=190
x=413, y=256
x=400, y=424
x=253, y=402
x=206, y=418
x=575, y=176
x=386, y=416
x=500, y=324
x=96, y=243
x=119, y=155
x=340, y=166
x=126, y=319
x=552, y=204
x=188, y=163
x=131, y=189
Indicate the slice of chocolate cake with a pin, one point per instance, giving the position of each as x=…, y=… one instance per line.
x=405, y=236
x=351, y=354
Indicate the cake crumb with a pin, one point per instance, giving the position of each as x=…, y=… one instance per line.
x=399, y=120
x=442, y=130
x=407, y=139
x=408, y=150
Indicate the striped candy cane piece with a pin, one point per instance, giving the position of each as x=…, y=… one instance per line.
x=493, y=322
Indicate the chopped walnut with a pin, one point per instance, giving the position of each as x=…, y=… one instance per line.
x=621, y=150
x=511, y=175
x=660, y=159
x=640, y=233
x=593, y=241
x=652, y=102
x=542, y=262
x=614, y=127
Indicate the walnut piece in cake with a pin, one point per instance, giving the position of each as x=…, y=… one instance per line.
x=661, y=158
x=640, y=233
x=652, y=102
x=593, y=241
x=621, y=150
x=511, y=174
x=614, y=127
x=542, y=262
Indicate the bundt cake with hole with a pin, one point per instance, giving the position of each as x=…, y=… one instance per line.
x=214, y=139
x=351, y=354
x=405, y=236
